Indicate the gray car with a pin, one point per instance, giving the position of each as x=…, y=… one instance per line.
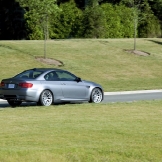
x=46, y=86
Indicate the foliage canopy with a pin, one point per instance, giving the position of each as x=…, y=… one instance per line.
x=80, y=19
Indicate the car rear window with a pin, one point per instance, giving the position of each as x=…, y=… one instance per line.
x=29, y=74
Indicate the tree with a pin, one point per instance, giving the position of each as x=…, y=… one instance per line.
x=117, y=24
x=113, y=2
x=149, y=26
x=67, y=23
x=136, y=6
x=125, y=20
x=12, y=24
x=112, y=24
x=93, y=20
x=37, y=14
x=156, y=7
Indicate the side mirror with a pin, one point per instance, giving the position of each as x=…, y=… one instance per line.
x=78, y=79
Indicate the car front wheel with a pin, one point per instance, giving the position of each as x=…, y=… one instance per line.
x=46, y=98
x=96, y=95
x=14, y=103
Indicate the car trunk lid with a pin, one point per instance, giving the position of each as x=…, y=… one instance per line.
x=15, y=84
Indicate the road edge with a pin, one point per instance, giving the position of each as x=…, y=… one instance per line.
x=124, y=92
x=132, y=92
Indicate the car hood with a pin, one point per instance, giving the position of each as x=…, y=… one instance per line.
x=91, y=83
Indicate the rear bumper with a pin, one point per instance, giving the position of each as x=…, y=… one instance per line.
x=23, y=95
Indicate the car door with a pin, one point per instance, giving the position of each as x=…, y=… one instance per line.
x=72, y=88
x=54, y=84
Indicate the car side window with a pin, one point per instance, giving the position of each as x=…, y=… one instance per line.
x=66, y=76
x=51, y=76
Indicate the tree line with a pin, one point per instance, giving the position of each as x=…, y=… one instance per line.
x=62, y=19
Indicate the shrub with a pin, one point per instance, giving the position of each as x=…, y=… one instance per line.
x=93, y=22
x=66, y=23
x=149, y=27
x=119, y=21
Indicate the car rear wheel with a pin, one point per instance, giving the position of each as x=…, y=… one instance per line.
x=96, y=95
x=46, y=98
x=14, y=103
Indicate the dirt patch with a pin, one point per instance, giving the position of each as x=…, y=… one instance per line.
x=49, y=61
x=139, y=53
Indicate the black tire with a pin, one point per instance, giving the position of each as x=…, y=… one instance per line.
x=46, y=98
x=39, y=103
x=14, y=103
x=96, y=96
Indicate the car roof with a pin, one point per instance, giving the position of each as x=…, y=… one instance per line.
x=45, y=69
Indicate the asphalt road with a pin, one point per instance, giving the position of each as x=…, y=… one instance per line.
x=130, y=96
x=109, y=97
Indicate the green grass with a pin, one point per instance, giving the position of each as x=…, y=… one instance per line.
x=125, y=132
x=101, y=60
x=119, y=132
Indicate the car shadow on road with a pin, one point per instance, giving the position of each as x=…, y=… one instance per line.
x=28, y=104
x=25, y=104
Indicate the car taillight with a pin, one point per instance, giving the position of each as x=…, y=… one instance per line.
x=26, y=85
x=2, y=84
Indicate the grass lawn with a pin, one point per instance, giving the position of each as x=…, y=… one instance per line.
x=114, y=132
x=125, y=132
x=101, y=60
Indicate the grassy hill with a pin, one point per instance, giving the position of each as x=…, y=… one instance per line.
x=113, y=132
x=104, y=61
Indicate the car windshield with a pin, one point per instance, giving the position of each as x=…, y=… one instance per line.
x=29, y=74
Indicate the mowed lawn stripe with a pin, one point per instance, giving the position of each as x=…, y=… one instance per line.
x=82, y=132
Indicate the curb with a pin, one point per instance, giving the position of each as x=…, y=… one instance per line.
x=132, y=92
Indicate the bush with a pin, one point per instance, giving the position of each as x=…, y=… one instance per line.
x=94, y=22
x=126, y=21
x=119, y=21
x=149, y=27
x=66, y=24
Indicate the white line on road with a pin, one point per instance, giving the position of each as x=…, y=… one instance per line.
x=132, y=92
